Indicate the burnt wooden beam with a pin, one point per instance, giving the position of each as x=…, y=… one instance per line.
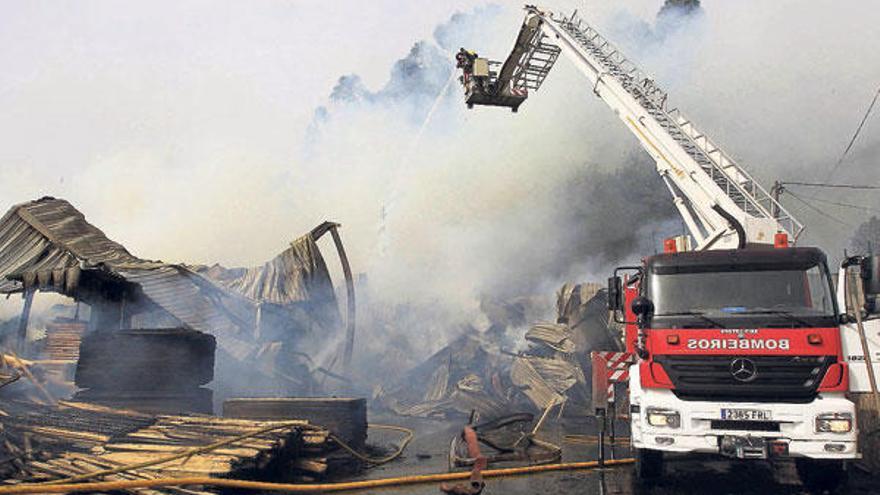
x=23, y=320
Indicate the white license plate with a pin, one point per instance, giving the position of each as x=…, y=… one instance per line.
x=746, y=414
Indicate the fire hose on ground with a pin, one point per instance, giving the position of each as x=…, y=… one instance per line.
x=302, y=488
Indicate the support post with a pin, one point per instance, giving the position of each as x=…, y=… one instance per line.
x=23, y=321
x=600, y=417
x=611, y=413
x=600, y=397
x=775, y=192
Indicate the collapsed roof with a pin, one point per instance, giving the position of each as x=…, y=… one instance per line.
x=47, y=244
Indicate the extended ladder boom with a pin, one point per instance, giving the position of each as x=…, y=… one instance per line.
x=721, y=204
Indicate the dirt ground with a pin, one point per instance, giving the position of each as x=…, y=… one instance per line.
x=429, y=454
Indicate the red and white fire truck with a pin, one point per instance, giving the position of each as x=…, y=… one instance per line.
x=740, y=341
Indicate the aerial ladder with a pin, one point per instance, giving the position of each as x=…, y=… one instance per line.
x=721, y=204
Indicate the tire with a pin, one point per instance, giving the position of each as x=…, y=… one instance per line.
x=820, y=476
x=649, y=465
x=131, y=360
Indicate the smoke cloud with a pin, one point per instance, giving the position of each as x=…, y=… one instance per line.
x=201, y=134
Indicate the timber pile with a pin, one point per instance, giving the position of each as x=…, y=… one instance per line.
x=45, y=443
x=158, y=371
x=344, y=417
x=63, y=336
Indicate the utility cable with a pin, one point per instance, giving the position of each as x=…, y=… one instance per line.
x=819, y=211
x=856, y=134
x=845, y=205
x=819, y=184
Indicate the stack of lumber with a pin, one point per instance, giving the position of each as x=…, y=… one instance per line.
x=344, y=417
x=63, y=336
x=159, y=371
x=45, y=443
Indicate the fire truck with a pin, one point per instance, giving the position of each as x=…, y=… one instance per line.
x=741, y=343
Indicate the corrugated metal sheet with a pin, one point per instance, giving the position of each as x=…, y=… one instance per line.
x=557, y=336
x=47, y=243
x=298, y=274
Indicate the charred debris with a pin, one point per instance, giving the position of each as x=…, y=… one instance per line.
x=126, y=377
x=476, y=373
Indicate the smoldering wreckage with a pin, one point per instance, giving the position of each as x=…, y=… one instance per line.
x=122, y=383
x=177, y=378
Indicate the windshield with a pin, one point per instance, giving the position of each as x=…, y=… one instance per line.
x=718, y=297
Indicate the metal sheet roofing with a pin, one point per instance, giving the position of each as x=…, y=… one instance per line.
x=47, y=244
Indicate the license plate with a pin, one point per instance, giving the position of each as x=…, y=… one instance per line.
x=745, y=414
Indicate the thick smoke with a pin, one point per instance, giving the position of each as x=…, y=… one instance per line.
x=458, y=207
x=195, y=136
x=679, y=7
x=458, y=198
x=866, y=238
x=466, y=204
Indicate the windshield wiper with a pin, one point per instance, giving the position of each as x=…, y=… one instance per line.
x=780, y=312
x=698, y=314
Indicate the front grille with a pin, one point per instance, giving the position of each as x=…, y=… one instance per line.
x=720, y=424
x=776, y=378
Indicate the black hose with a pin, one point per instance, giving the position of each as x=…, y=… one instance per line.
x=740, y=231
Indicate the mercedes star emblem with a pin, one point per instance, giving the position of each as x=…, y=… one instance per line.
x=743, y=369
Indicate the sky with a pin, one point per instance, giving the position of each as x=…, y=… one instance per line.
x=205, y=132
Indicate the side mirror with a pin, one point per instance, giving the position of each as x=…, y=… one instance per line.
x=870, y=272
x=615, y=294
x=642, y=307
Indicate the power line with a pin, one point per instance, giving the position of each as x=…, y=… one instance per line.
x=847, y=205
x=819, y=184
x=819, y=211
x=856, y=134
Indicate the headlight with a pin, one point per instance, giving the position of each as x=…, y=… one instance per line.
x=834, y=423
x=663, y=417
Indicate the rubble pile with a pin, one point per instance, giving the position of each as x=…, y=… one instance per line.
x=549, y=373
x=460, y=378
x=554, y=369
x=475, y=374
x=584, y=309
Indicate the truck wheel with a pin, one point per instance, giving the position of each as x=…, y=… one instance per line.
x=649, y=464
x=820, y=476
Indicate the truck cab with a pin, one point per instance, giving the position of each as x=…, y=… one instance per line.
x=739, y=354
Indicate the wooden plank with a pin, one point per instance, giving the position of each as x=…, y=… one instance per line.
x=76, y=435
